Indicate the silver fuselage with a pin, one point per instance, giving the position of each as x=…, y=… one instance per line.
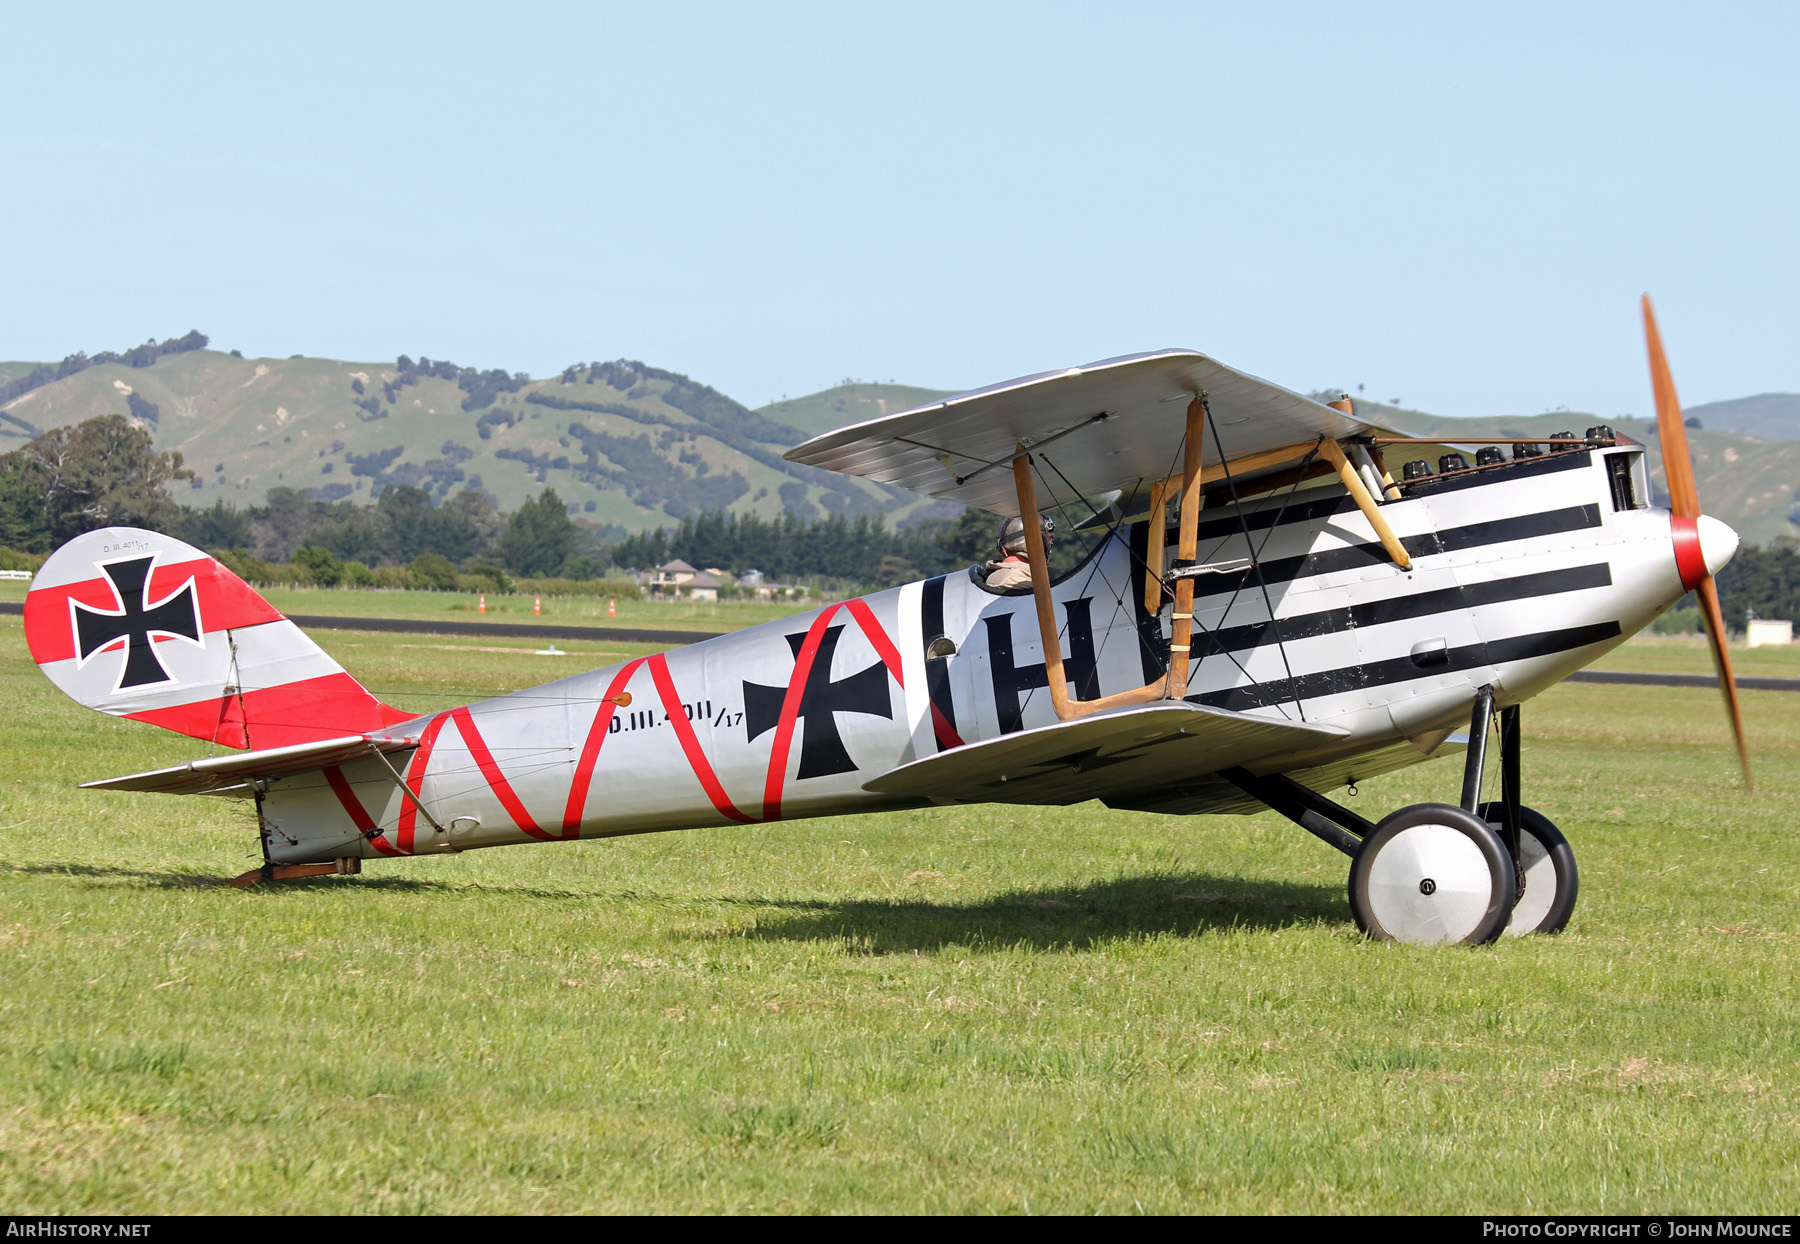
x=1520, y=575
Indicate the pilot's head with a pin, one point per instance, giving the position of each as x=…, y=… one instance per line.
x=1012, y=536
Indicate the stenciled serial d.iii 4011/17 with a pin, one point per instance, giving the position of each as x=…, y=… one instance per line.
x=1267, y=614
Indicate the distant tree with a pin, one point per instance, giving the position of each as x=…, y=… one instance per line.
x=433, y=571
x=971, y=538
x=219, y=526
x=319, y=564
x=893, y=571
x=480, y=508
x=101, y=473
x=1763, y=581
x=580, y=566
x=412, y=526
x=494, y=578
x=539, y=537
x=286, y=520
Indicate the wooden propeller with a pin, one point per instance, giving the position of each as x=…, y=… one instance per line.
x=1684, y=504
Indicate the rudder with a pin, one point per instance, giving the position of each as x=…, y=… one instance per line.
x=140, y=625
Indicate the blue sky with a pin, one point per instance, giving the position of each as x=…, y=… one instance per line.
x=1455, y=205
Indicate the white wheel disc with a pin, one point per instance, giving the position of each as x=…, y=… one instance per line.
x=1539, y=873
x=1430, y=884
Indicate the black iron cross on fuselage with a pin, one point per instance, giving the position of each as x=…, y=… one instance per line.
x=136, y=621
x=821, y=749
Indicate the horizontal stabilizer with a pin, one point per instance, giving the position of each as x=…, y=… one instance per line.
x=1125, y=749
x=218, y=773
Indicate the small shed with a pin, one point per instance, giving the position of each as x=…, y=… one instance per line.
x=1762, y=632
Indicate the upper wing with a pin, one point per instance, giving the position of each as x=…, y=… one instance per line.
x=1130, y=749
x=1103, y=427
x=222, y=774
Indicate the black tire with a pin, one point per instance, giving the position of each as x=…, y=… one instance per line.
x=1430, y=874
x=1546, y=869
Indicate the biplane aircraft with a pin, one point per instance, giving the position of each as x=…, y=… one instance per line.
x=1269, y=612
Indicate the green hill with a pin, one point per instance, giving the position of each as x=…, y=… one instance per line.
x=630, y=446
x=633, y=447
x=12, y=370
x=1768, y=416
x=846, y=404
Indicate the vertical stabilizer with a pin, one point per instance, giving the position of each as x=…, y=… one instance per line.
x=141, y=625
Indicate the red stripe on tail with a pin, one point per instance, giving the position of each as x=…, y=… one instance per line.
x=308, y=711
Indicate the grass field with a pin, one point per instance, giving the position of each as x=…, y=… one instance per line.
x=727, y=615
x=1673, y=654
x=976, y=1009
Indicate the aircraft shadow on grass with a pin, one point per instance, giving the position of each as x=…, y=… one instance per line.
x=100, y=873
x=317, y=886
x=1072, y=917
x=1075, y=917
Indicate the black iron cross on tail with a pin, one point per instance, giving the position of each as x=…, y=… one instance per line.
x=136, y=622
x=821, y=749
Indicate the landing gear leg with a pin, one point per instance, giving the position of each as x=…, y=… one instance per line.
x=1543, y=858
x=1433, y=873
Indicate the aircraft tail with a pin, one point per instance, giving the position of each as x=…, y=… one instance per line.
x=140, y=625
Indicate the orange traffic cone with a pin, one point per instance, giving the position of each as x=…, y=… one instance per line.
x=482, y=607
x=537, y=604
x=612, y=608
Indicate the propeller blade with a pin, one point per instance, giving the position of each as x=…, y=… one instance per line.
x=1684, y=503
x=1678, y=463
x=1708, y=595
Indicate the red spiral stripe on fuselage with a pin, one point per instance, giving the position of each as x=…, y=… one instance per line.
x=588, y=761
x=590, y=750
x=690, y=743
x=359, y=815
x=415, y=782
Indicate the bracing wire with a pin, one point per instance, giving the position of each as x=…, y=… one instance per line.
x=1255, y=553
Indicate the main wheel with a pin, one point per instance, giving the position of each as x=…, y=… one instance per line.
x=1547, y=877
x=1430, y=874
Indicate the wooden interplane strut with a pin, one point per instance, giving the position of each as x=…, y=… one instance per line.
x=1191, y=482
x=1359, y=493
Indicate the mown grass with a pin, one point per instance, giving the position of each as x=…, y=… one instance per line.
x=1689, y=654
x=964, y=1009
x=725, y=615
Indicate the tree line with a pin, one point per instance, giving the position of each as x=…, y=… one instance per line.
x=104, y=472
